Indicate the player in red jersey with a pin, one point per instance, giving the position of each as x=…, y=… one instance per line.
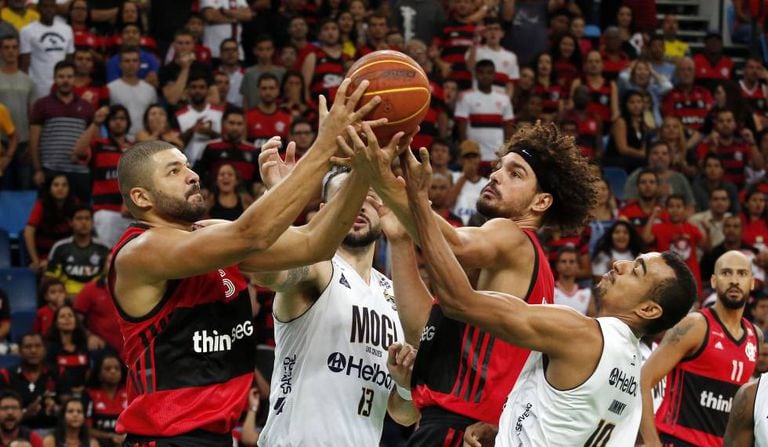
x=185, y=311
x=463, y=374
x=706, y=358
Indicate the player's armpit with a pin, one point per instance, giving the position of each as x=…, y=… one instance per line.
x=740, y=429
x=497, y=241
x=297, y=288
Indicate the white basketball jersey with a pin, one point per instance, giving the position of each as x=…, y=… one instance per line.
x=577, y=300
x=761, y=412
x=330, y=383
x=603, y=411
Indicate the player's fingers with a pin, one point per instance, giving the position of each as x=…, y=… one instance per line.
x=354, y=98
x=402, y=353
x=322, y=105
x=367, y=108
x=357, y=142
x=344, y=146
x=266, y=154
x=392, y=350
x=341, y=93
x=341, y=161
x=290, y=153
x=377, y=123
x=410, y=359
x=394, y=143
x=424, y=153
x=268, y=165
x=373, y=142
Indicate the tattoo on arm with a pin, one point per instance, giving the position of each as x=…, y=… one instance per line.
x=677, y=333
x=293, y=277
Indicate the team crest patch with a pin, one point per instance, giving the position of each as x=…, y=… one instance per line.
x=750, y=350
x=343, y=281
x=389, y=295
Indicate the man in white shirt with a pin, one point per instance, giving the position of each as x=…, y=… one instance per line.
x=199, y=121
x=469, y=183
x=223, y=20
x=567, y=290
x=131, y=91
x=43, y=44
x=505, y=61
x=711, y=221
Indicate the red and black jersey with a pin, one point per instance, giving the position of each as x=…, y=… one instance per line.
x=466, y=371
x=147, y=43
x=600, y=102
x=242, y=156
x=691, y=107
x=700, y=389
x=84, y=38
x=96, y=96
x=192, y=355
x=612, y=68
x=708, y=75
x=588, y=130
x=455, y=39
x=734, y=156
x=263, y=126
x=550, y=97
x=757, y=97
x=634, y=213
x=72, y=366
x=429, y=125
x=105, y=154
x=102, y=410
x=329, y=72
x=565, y=73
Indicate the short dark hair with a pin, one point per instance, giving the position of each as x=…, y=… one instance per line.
x=562, y=172
x=646, y=171
x=679, y=197
x=199, y=75
x=80, y=207
x=61, y=65
x=232, y=111
x=267, y=76
x=10, y=394
x=377, y=15
x=129, y=49
x=655, y=38
x=129, y=25
x=8, y=37
x=484, y=64
x=133, y=169
x=565, y=250
x=117, y=108
x=491, y=21
x=263, y=38
x=675, y=295
x=712, y=156
x=31, y=335
x=228, y=40
x=298, y=121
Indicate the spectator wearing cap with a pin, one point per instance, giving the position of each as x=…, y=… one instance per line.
x=687, y=101
x=674, y=48
x=469, y=183
x=483, y=115
x=712, y=66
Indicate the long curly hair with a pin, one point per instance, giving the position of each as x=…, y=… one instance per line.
x=562, y=171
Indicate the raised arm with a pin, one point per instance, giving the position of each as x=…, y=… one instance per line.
x=740, y=429
x=679, y=342
x=258, y=227
x=82, y=149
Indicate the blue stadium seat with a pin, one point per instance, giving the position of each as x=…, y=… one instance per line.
x=592, y=32
x=9, y=361
x=15, y=207
x=21, y=323
x=616, y=178
x=21, y=286
x=5, y=249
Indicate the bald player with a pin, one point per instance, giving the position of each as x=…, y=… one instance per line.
x=706, y=358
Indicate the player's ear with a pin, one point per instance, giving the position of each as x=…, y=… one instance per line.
x=141, y=198
x=541, y=202
x=649, y=310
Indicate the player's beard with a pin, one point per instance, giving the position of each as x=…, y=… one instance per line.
x=364, y=239
x=180, y=209
x=730, y=303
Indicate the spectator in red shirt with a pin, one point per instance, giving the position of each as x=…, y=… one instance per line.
x=51, y=294
x=324, y=68
x=547, y=87
x=48, y=221
x=231, y=149
x=10, y=421
x=755, y=219
x=712, y=66
x=96, y=93
x=639, y=212
x=604, y=94
x=689, y=102
x=79, y=18
x=298, y=31
x=614, y=59
x=589, y=126
x=266, y=119
x=106, y=398
x=567, y=61
x=68, y=350
x=677, y=235
x=736, y=151
x=97, y=312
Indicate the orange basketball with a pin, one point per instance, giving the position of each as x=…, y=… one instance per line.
x=402, y=85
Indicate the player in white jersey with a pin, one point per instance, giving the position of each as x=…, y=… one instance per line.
x=567, y=290
x=335, y=321
x=581, y=388
x=748, y=421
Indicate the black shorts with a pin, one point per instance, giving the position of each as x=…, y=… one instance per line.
x=439, y=428
x=671, y=441
x=196, y=438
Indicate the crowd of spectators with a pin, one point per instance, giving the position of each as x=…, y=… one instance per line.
x=679, y=136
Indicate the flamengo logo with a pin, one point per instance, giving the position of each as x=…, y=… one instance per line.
x=339, y=363
x=204, y=342
x=708, y=400
x=623, y=381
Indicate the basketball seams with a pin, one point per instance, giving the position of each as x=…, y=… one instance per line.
x=397, y=90
x=392, y=61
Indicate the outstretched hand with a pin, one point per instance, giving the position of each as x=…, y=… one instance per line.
x=390, y=224
x=418, y=176
x=355, y=156
x=342, y=113
x=272, y=168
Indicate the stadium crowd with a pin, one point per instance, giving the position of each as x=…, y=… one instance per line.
x=679, y=138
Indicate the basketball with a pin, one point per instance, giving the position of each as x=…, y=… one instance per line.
x=402, y=85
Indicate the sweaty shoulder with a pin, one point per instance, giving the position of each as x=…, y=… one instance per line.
x=504, y=232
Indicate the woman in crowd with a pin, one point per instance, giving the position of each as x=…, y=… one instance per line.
x=523, y=88
x=603, y=214
x=68, y=351
x=632, y=42
x=79, y=19
x=567, y=61
x=727, y=95
x=293, y=100
x=71, y=429
x=626, y=147
x=754, y=219
x=642, y=77
x=551, y=92
x=107, y=398
x=672, y=133
x=228, y=199
x=348, y=33
x=620, y=243
x=48, y=221
x=156, y=127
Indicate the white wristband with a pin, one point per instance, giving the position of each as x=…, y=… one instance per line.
x=404, y=392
